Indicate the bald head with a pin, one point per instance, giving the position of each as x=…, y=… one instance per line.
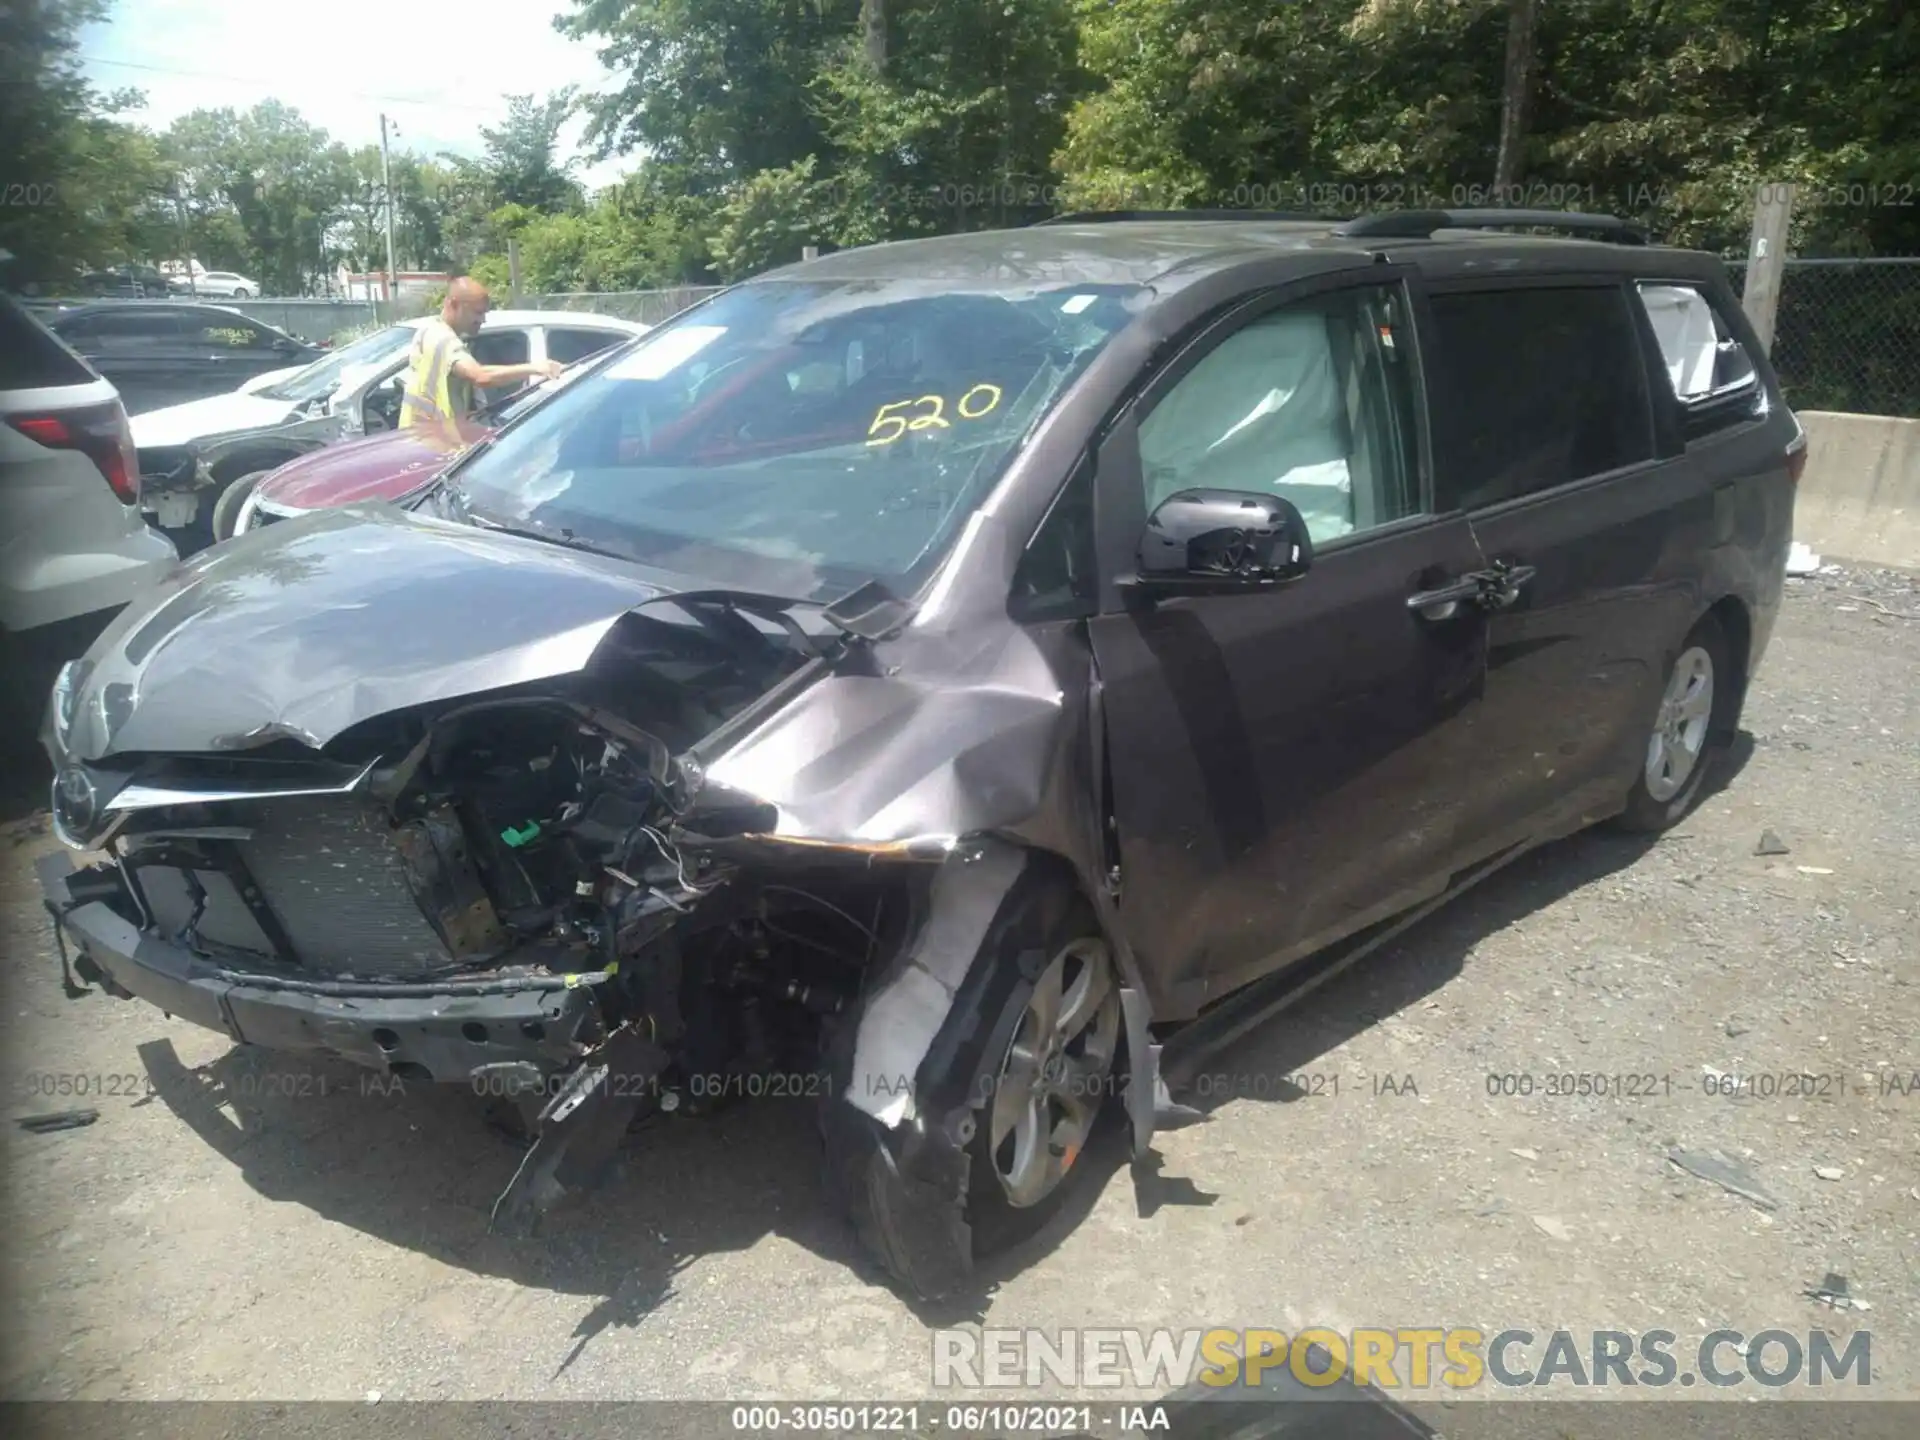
x=465, y=306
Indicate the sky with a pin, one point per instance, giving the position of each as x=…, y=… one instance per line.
x=341, y=63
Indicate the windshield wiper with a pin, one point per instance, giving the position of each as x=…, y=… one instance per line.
x=530, y=531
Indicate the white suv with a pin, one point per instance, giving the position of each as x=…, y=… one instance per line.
x=72, y=540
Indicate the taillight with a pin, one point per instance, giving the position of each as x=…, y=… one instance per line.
x=1796, y=455
x=100, y=432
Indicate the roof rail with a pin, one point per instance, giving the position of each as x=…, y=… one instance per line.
x=1420, y=224
x=1107, y=217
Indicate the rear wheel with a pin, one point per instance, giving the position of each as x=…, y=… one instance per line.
x=226, y=509
x=1683, y=741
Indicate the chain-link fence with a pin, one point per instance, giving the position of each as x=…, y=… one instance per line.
x=648, y=307
x=1846, y=335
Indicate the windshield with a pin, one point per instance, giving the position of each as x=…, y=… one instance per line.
x=509, y=408
x=797, y=439
x=319, y=380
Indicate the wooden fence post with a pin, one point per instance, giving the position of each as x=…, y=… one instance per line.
x=1767, y=258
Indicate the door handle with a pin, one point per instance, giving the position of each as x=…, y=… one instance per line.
x=1504, y=583
x=1444, y=601
x=1494, y=588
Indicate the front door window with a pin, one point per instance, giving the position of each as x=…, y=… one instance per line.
x=1311, y=402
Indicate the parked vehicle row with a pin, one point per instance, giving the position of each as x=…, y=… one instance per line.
x=70, y=525
x=166, y=354
x=969, y=672
x=73, y=544
x=139, y=282
x=211, y=283
x=202, y=460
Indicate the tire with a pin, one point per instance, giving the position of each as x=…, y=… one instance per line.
x=1685, y=735
x=928, y=1234
x=226, y=508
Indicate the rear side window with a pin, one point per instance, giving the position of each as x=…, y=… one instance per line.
x=1708, y=369
x=128, y=326
x=31, y=356
x=500, y=347
x=1537, y=388
x=567, y=346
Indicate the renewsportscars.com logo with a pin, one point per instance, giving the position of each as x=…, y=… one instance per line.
x=1449, y=1359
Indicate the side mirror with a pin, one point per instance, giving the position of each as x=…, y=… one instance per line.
x=1223, y=542
x=287, y=346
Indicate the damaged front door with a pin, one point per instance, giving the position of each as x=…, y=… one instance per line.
x=1285, y=763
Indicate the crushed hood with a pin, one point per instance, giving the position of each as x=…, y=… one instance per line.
x=374, y=467
x=303, y=629
x=202, y=419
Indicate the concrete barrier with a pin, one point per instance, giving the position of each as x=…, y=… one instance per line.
x=1859, y=497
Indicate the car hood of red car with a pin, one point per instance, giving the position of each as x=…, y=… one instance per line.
x=372, y=467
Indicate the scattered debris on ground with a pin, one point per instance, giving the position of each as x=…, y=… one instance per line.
x=1721, y=1169
x=1833, y=1293
x=58, y=1120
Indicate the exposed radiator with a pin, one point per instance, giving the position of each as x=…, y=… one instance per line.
x=330, y=871
x=333, y=877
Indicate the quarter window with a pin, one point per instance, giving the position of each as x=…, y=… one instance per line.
x=1312, y=402
x=1708, y=369
x=1536, y=387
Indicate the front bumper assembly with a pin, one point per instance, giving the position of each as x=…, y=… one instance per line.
x=452, y=1035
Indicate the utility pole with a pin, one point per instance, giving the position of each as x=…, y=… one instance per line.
x=186, y=238
x=386, y=183
x=1767, y=258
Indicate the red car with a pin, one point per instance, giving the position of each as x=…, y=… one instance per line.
x=386, y=466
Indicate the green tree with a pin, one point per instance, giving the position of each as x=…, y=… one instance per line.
x=279, y=177
x=519, y=166
x=79, y=187
x=719, y=89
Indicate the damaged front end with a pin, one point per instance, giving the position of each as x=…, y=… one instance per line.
x=524, y=893
x=587, y=846
x=178, y=481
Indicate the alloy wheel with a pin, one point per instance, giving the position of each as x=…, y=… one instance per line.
x=1680, y=732
x=1054, y=1075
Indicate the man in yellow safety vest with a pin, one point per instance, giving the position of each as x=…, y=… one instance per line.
x=443, y=373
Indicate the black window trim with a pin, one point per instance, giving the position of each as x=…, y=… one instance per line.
x=1652, y=369
x=1024, y=611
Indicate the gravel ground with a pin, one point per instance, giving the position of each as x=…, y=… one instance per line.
x=234, y=1229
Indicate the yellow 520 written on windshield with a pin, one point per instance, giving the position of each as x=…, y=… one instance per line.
x=929, y=412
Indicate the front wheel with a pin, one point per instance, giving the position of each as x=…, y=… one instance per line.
x=226, y=509
x=1682, y=745
x=1037, y=1063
